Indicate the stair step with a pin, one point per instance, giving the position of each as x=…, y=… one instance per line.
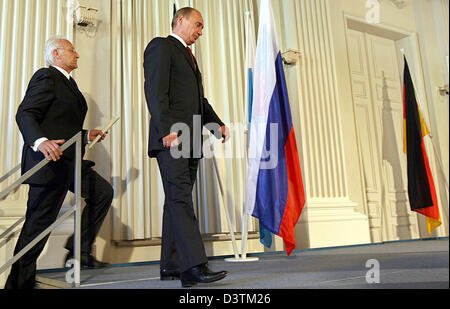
x=47, y=283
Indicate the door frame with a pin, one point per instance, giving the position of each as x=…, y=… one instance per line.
x=409, y=43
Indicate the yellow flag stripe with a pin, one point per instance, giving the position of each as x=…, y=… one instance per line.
x=432, y=224
x=423, y=125
x=423, y=128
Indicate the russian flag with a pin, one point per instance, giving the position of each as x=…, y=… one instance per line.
x=275, y=193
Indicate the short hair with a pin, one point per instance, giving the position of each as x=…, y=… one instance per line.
x=186, y=11
x=52, y=44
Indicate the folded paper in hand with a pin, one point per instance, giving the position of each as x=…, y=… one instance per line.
x=106, y=129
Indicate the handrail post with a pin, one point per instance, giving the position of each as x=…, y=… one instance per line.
x=78, y=141
x=77, y=221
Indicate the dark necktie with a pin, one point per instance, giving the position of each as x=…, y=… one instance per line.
x=74, y=83
x=83, y=102
x=192, y=57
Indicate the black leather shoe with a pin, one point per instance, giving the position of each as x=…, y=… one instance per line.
x=200, y=274
x=212, y=273
x=88, y=261
x=169, y=274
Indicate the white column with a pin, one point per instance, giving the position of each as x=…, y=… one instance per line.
x=329, y=217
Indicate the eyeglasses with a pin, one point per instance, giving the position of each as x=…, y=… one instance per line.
x=72, y=50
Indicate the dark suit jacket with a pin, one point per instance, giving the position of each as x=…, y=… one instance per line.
x=53, y=108
x=174, y=92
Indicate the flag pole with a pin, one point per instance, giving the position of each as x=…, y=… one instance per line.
x=225, y=199
x=244, y=216
x=244, y=219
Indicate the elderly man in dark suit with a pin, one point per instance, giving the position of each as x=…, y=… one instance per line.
x=174, y=93
x=53, y=111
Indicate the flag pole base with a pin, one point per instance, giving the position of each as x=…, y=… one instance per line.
x=242, y=260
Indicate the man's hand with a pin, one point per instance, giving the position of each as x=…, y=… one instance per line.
x=51, y=149
x=225, y=134
x=94, y=133
x=170, y=140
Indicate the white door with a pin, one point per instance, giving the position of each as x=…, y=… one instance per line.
x=377, y=95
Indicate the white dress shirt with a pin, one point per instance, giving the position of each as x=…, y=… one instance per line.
x=179, y=39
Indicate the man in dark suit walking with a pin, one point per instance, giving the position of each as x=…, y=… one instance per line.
x=53, y=111
x=174, y=93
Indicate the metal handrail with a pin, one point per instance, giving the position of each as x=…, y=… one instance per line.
x=77, y=140
x=10, y=173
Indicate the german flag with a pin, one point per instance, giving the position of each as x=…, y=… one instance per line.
x=421, y=189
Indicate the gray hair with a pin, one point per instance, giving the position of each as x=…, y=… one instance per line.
x=51, y=44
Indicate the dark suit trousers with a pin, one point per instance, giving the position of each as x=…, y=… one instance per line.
x=182, y=245
x=44, y=204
